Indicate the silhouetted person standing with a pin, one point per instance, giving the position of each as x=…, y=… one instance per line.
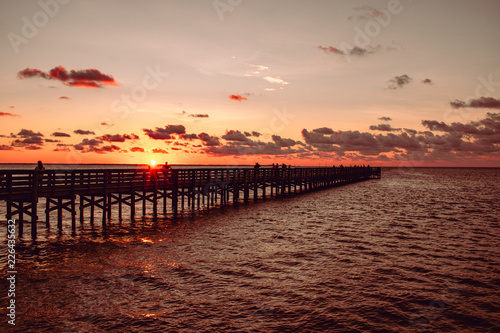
x=39, y=166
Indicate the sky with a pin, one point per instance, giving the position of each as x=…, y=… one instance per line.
x=319, y=83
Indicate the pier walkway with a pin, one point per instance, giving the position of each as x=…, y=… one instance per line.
x=167, y=190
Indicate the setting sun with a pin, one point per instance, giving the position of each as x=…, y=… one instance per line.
x=152, y=162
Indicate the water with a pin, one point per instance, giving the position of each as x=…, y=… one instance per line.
x=416, y=251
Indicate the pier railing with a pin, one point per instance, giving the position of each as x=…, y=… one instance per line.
x=178, y=188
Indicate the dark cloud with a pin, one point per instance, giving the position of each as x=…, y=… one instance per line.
x=86, y=143
x=189, y=136
x=323, y=130
x=164, y=133
x=117, y=137
x=460, y=140
x=314, y=138
x=284, y=142
x=237, y=98
x=209, y=140
x=487, y=126
x=107, y=124
x=24, y=133
x=32, y=140
x=61, y=134
x=399, y=81
x=256, y=148
x=253, y=133
x=234, y=136
x=64, y=97
x=427, y=81
x=52, y=140
x=482, y=102
x=384, y=127
x=89, y=78
x=385, y=119
x=137, y=150
x=199, y=115
x=83, y=132
x=32, y=147
x=8, y=114
x=5, y=147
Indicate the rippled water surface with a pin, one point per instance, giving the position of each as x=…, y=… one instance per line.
x=415, y=251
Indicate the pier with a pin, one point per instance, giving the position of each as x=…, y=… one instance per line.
x=78, y=193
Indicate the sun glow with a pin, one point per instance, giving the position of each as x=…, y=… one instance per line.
x=152, y=162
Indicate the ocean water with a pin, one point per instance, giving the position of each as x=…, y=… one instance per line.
x=416, y=251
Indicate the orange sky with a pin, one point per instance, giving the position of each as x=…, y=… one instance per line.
x=295, y=82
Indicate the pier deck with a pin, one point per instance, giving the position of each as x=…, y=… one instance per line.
x=179, y=189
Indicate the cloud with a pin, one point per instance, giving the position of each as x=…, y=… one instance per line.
x=256, y=69
x=399, y=81
x=52, y=140
x=62, y=149
x=117, y=137
x=323, y=130
x=460, y=140
x=482, y=102
x=277, y=80
x=159, y=151
x=284, y=142
x=101, y=150
x=89, y=78
x=237, y=98
x=366, y=13
x=83, y=132
x=384, y=127
x=5, y=147
x=164, y=133
x=189, y=136
x=34, y=140
x=234, y=136
x=137, y=150
x=487, y=126
x=32, y=147
x=427, y=81
x=256, y=148
x=355, y=51
x=385, y=118
x=61, y=134
x=24, y=133
x=88, y=143
x=8, y=114
x=195, y=115
x=64, y=97
x=254, y=133
x=209, y=140
x=107, y=124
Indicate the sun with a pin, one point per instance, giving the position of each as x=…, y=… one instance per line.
x=152, y=162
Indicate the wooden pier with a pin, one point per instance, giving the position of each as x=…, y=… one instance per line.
x=167, y=190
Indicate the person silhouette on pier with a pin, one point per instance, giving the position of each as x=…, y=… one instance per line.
x=39, y=166
x=256, y=166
